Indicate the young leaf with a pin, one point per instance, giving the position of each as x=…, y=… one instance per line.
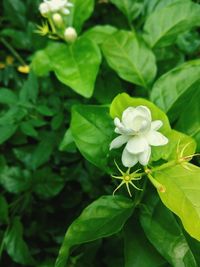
x=75, y=65
x=163, y=231
x=104, y=217
x=174, y=18
x=130, y=57
x=172, y=90
x=182, y=195
x=92, y=129
x=15, y=245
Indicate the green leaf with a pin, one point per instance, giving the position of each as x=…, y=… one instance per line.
x=44, y=110
x=28, y=129
x=163, y=231
x=92, y=129
x=7, y=96
x=75, y=65
x=47, y=184
x=104, y=217
x=14, y=179
x=67, y=143
x=41, y=63
x=173, y=89
x=130, y=57
x=130, y=8
x=3, y=210
x=15, y=245
x=188, y=122
x=182, y=195
x=98, y=34
x=80, y=12
x=6, y=131
x=138, y=250
x=15, y=11
x=173, y=19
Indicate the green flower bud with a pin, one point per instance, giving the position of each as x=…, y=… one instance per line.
x=57, y=19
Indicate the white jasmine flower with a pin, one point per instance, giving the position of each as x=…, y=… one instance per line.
x=70, y=34
x=139, y=133
x=56, y=6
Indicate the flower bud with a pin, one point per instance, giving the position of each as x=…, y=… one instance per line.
x=70, y=34
x=57, y=19
x=44, y=9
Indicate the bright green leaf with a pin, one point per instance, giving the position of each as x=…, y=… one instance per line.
x=104, y=217
x=130, y=57
x=173, y=19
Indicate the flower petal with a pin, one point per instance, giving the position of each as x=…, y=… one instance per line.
x=119, y=141
x=128, y=159
x=145, y=156
x=121, y=128
x=137, y=144
x=156, y=125
x=144, y=111
x=155, y=138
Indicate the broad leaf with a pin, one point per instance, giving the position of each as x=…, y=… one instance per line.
x=182, y=195
x=137, y=249
x=165, y=234
x=7, y=96
x=75, y=65
x=130, y=57
x=104, y=217
x=174, y=18
x=98, y=34
x=16, y=246
x=172, y=90
x=91, y=128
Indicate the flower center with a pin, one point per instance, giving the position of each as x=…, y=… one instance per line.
x=127, y=178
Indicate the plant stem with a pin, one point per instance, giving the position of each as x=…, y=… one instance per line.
x=13, y=51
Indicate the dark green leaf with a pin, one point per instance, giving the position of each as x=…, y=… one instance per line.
x=3, y=210
x=7, y=96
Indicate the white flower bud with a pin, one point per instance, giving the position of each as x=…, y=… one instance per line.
x=70, y=34
x=44, y=9
x=57, y=19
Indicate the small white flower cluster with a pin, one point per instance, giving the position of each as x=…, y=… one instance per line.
x=54, y=6
x=139, y=132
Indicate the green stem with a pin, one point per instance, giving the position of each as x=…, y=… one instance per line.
x=13, y=51
x=165, y=166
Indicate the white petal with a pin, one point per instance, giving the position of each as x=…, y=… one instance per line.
x=128, y=116
x=156, y=125
x=144, y=111
x=145, y=156
x=156, y=139
x=119, y=141
x=121, y=128
x=141, y=124
x=128, y=159
x=137, y=144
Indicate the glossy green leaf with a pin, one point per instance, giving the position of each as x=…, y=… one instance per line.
x=130, y=8
x=67, y=143
x=182, y=195
x=163, y=231
x=130, y=57
x=7, y=96
x=174, y=18
x=172, y=90
x=80, y=12
x=188, y=122
x=3, y=210
x=138, y=251
x=104, y=217
x=91, y=128
x=75, y=65
x=16, y=247
x=98, y=34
